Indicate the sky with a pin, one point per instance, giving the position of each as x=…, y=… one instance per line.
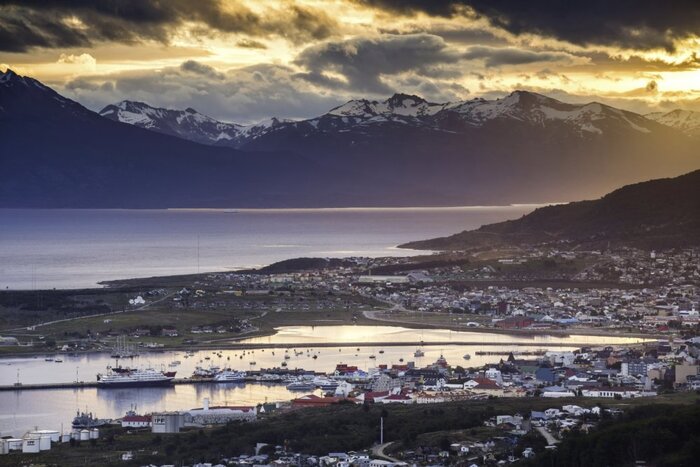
x=244, y=61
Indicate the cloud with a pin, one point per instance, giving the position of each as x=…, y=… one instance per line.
x=241, y=95
x=198, y=68
x=84, y=60
x=25, y=24
x=250, y=44
x=494, y=56
x=363, y=62
x=634, y=24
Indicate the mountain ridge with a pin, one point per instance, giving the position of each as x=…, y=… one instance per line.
x=399, y=108
x=659, y=213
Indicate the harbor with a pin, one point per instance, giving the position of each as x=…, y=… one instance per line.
x=50, y=391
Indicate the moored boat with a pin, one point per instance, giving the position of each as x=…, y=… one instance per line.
x=137, y=378
x=227, y=376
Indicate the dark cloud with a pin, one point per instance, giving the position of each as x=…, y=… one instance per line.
x=250, y=44
x=494, y=57
x=636, y=24
x=245, y=95
x=456, y=34
x=198, y=68
x=363, y=61
x=25, y=24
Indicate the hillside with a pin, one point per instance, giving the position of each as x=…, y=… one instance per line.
x=654, y=214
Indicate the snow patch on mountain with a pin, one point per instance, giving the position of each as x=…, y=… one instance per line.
x=686, y=121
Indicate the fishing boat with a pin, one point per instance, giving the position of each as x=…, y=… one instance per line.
x=87, y=420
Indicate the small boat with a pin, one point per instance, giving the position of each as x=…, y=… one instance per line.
x=315, y=357
x=381, y=351
x=372, y=357
x=401, y=360
x=467, y=356
x=418, y=353
x=301, y=386
x=58, y=360
x=283, y=363
x=287, y=357
x=48, y=359
x=252, y=363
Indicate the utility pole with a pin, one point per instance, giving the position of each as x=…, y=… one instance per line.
x=381, y=430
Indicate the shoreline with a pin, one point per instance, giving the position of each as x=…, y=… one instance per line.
x=236, y=344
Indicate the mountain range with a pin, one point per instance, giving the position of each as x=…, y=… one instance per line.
x=404, y=109
x=659, y=213
x=403, y=151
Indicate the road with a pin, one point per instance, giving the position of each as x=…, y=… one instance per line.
x=111, y=313
x=551, y=440
x=378, y=451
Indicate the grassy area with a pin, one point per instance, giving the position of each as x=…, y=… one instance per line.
x=236, y=316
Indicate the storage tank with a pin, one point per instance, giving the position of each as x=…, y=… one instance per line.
x=75, y=434
x=95, y=433
x=65, y=438
x=55, y=435
x=84, y=435
x=4, y=448
x=44, y=442
x=30, y=445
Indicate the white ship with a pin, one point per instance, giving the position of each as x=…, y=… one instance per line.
x=227, y=376
x=301, y=386
x=148, y=377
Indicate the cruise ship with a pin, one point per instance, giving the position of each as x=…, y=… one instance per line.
x=227, y=376
x=149, y=377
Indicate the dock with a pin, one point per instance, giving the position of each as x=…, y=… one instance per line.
x=90, y=384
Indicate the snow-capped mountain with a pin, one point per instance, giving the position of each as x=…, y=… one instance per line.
x=686, y=121
x=539, y=110
x=187, y=124
x=364, y=115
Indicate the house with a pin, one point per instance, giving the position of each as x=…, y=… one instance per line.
x=396, y=399
x=483, y=385
x=515, y=322
x=545, y=375
x=131, y=420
